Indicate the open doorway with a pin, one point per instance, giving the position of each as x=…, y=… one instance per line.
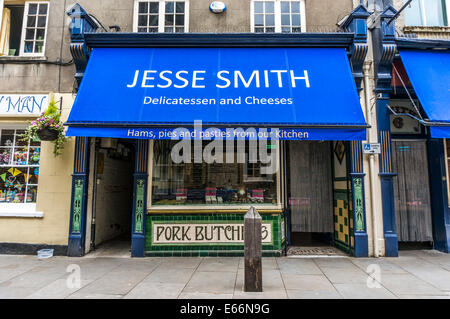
x=111, y=197
x=319, y=192
x=311, y=198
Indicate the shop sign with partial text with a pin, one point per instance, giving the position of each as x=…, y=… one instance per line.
x=23, y=105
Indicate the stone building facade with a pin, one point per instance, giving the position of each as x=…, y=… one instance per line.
x=57, y=70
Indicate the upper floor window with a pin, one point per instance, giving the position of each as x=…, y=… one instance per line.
x=278, y=16
x=161, y=16
x=427, y=13
x=23, y=27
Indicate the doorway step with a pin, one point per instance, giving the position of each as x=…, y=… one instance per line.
x=115, y=248
x=319, y=251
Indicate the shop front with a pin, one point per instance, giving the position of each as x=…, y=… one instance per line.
x=420, y=156
x=35, y=185
x=218, y=124
x=414, y=123
x=19, y=160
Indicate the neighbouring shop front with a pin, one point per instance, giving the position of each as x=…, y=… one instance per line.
x=420, y=126
x=19, y=160
x=413, y=122
x=217, y=124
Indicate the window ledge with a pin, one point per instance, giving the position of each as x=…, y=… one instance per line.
x=19, y=210
x=5, y=59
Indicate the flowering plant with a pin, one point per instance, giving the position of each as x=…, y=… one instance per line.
x=50, y=121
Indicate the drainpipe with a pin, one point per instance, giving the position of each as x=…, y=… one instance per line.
x=366, y=73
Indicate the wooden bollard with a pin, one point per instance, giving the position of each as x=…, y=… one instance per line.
x=252, y=251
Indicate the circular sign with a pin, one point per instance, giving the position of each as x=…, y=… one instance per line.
x=217, y=7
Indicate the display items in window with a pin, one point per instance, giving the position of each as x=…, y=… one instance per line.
x=19, y=168
x=209, y=184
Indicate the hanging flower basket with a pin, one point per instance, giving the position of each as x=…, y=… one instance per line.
x=47, y=127
x=47, y=134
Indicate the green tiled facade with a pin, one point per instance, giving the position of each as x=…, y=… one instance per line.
x=210, y=249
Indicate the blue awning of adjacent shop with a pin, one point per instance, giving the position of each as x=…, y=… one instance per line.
x=429, y=73
x=299, y=93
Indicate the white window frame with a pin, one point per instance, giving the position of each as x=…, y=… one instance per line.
x=22, y=36
x=423, y=15
x=277, y=5
x=161, y=14
x=25, y=18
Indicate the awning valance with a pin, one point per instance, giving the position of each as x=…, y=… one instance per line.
x=306, y=93
x=429, y=73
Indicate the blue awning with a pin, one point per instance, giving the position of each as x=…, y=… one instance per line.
x=429, y=73
x=305, y=93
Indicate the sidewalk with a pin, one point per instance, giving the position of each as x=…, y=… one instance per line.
x=415, y=274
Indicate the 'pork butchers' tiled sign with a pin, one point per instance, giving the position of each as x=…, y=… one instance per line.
x=204, y=233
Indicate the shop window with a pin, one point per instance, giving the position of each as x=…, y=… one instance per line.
x=19, y=167
x=241, y=181
x=161, y=16
x=278, y=16
x=427, y=13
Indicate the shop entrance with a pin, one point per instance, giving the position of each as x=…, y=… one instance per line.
x=319, y=193
x=412, y=194
x=310, y=196
x=110, y=197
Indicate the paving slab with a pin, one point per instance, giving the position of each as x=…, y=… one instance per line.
x=181, y=262
x=310, y=294
x=95, y=296
x=219, y=264
x=423, y=297
x=427, y=271
x=443, y=262
x=12, y=266
x=59, y=289
x=362, y=291
x=203, y=295
x=307, y=282
x=385, y=266
x=6, y=260
x=271, y=281
x=407, y=284
x=298, y=266
x=15, y=292
x=36, y=277
x=118, y=281
x=345, y=276
x=415, y=274
x=155, y=290
x=280, y=294
x=170, y=275
x=212, y=282
x=426, y=253
x=334, y=262
x=267, y=263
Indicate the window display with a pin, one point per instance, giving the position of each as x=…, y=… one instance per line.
x=215, y=184
x=19, y=168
